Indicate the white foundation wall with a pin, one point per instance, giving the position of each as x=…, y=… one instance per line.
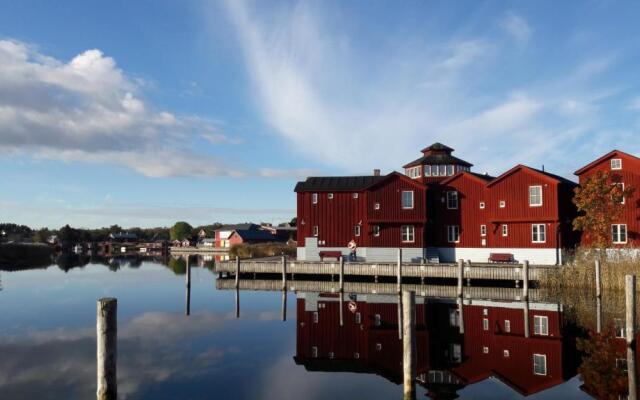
x=372, y=254
x=481, y=255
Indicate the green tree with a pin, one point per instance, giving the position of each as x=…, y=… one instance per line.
x=41, y=235
x=180, y=231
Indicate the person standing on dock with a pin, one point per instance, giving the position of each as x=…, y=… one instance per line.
x=353, y=248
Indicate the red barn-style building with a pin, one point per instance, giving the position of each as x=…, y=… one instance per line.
x=624, y=169
x=438, y=209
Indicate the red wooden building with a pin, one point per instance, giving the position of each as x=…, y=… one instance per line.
x=624, y=169
x=438, y=209
x=493, y=345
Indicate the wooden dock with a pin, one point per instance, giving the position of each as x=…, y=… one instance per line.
x=492, y=272
x=198, y=250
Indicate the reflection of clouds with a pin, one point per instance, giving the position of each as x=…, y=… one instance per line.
x=152, y=347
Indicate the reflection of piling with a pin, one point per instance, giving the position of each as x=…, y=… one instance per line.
x=598, y=280
x=340, y=303
x=461, y=315
x=525, y=316
x=107, y=348
x=598, y=297
x=409, y=344
x=237, y=272
x=283, y=314
x=630, y=333
x=525, y=280
x=188, y=283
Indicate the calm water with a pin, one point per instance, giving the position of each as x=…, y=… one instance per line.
x=47, y=342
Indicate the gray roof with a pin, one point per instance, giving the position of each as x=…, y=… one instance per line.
x=438, y=159
x=234, y=227
x=337, y=183
x=249, y=234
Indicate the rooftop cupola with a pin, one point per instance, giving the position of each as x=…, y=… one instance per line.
x=435, y=163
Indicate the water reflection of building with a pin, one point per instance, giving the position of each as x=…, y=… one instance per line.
x=494, y=344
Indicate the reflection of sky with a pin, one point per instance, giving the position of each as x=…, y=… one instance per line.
x=47, y=341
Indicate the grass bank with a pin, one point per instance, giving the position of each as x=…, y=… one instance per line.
x=261, y=250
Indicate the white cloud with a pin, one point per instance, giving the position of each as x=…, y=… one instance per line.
x=89, y=110
x=517, y=27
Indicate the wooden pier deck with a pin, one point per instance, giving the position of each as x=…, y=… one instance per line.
x=494, y=272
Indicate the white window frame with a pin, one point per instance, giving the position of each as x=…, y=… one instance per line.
x=616, y=234
x=621, y=184
x=505, y=230
x=314, y=351
x=505, y=353
x=315, y=317
x=314, y=198
x=531, y=196
x=356, y=230
x=427, y=170
x=377, y=320
x=358, y=318
x=410, y=233
x=412, y=200
x=435, y=171
x=485, y=349
x=483, y=230
x=541, y=325
x=453, y=233
x=538, y=233
x=485, y=324
x=482, y=205
x=378, y=346
x=376, y=230
x=507, y=326
x=450, y=170
x=356, y=195
x=376, y=206
x=543, y=358
x=452, y=197
x=503, y=204
x=443, y=169
x=454, y=317
x=619, y=328
x=315, y=231
x=330, y=196
x=616, y=164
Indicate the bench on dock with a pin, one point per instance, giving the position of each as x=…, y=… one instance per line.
x=330, y=254
x=501, y=258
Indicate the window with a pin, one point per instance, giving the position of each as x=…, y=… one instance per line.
x=413, y=172
x=485, y=324
x=485, y=349
x=330, y=196
x=621, y=364
x=408, y=233
x=619, y=233
x=314, y=198
x=453, y=234
x=455, y=353
x=427, y=170
x=621, y=185
x=356, y=195
x=505, y=353
x=316, y=317
x=505, y=230
x=538, y=233
x=358, y=318
x=331, y=355
x=407, y=199
x=539, y=364
x=503, y=204
x=443, y=170
x=356, y=355
x=535, y=196
x=376, y=206
x=356, y=230
x=314, y=352
x=452, y=200
x=449, y=170
x=507, y=325
x=434, y=171
x=376, y=230
x=485, y=312
x=315, y=230
x=619, y=328
x=377, y=321
x=482, y=205
x=378, y=346
x=454, y=317
x=616, y=163
x=483, y=230
x=540, y=325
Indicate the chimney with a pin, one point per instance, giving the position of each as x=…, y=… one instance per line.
x=376, y=172
x=542, y=167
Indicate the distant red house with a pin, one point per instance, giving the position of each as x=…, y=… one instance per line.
x=438, y=209
x=253, y=236
x=625, y=170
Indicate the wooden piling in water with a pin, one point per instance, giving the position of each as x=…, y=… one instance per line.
x=237, y=272
x=409, y=344
x=188, y=286
x=598, y=315
x=107, y=348
x=237, y=302
x=630, y=333
x=460, y=276
x=598, y=280
x=399, y=270
x=341, y=282
x=284, y=273
x=400, y=324
x=525, y=280
x=341, y=273
x=283, y=313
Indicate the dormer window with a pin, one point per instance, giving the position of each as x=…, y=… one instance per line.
x=616, y=163
x=443, y=170
x=449, y=170
x=427, y=170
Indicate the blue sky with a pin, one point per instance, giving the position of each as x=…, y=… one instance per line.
x=146, y=112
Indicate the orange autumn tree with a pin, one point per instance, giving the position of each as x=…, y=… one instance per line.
x=600, y=204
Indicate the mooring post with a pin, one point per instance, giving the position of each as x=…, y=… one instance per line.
x=237, y=272
x=598, y=315
x=399, y=270
x=525, y=280
x=284, y=273
x=598, y=280
x=283, y=315
x=341, y=275
x=409, y=344
x=400, y=324
x=460, y=303
x=525, y=316
x=237, y=302
x=469, y=268
x=630, y=333
x=341, y=282
x=460, y=276
x=188, y=284
x=107, y=348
